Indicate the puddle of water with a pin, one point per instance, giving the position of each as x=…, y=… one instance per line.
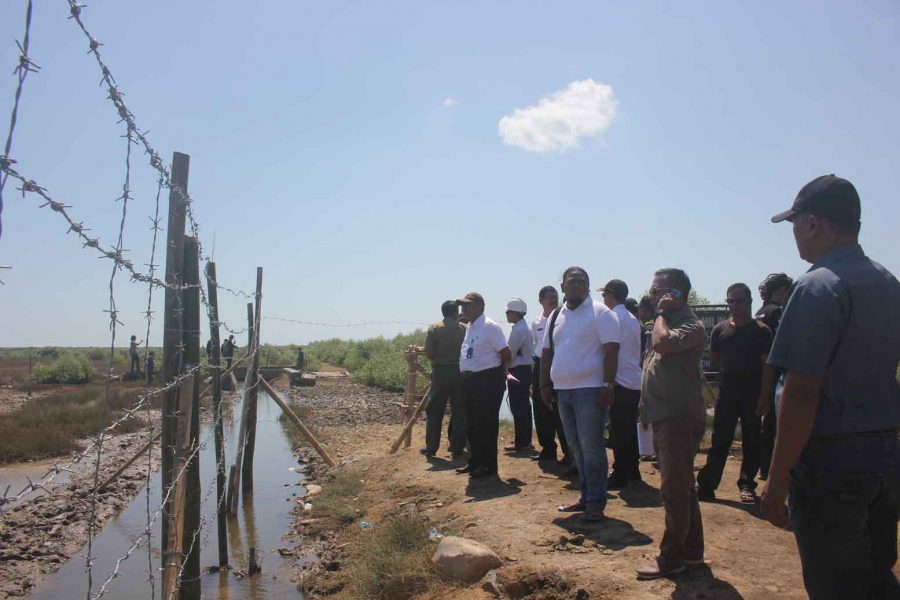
x=16, y=476
x=260, y=524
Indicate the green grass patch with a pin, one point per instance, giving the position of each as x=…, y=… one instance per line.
x=376, y=362
x=338, y=503
x=391, y=561
x=52, y=425
x=68, y=368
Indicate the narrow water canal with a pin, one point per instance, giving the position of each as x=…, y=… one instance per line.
x=260, y=524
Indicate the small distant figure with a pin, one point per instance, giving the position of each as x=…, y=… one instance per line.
x=135, y=357
x=521, y=347
x=300, y=358
x=209, y=350
x=228, y=347
x=150, y=367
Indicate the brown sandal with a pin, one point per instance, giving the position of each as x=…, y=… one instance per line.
x=749, y=497
x=574, y=507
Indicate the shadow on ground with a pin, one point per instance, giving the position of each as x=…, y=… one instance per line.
x=487, y=488
x=701, y=582
x=615, y=534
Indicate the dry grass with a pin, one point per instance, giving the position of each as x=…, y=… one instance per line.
x=52, y=425
x=391, y=561
x=338, y=504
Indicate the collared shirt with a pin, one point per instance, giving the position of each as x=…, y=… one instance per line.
x=628, y=374
x=841, y=325
x=671, y=385
x=537, y=333
x=578, y=339
x=520, y=344
x=481, y=346
x=443, y=341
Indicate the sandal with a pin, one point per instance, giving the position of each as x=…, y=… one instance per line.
x=574, y=507
x=749, y=497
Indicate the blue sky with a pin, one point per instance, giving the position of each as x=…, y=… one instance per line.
x=324, y=148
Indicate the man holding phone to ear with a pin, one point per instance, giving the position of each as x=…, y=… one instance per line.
x=672, y=403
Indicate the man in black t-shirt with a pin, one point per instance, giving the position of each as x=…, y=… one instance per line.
x=739, y=348
x=774, y=291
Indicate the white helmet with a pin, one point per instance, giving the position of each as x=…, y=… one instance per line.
x=518, y=305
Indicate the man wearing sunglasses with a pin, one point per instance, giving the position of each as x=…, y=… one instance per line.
x=738, y=347
x=672, y=403
x=836, y=450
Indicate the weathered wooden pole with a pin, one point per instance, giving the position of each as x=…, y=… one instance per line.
x=172, y=354
x=306, y=433
x=412, y=421
x=216, y=372
x=410, y=395
x=190, y=576
x=234, y=475
x=252, y=380
x=173, y=556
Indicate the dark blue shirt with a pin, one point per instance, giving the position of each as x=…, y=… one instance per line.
x=842, y=326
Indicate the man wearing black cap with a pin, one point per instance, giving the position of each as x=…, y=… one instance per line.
x=483, y=361
x=442, y=343
x=623, y=414
x=836, y=451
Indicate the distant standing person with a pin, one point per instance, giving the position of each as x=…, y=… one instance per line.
x=837, y=454
x=623, y=415
x=521, y=348
x=151, y=367
x=672, y=403
x=546, y=413
x=301, y=359
x=483, y=362
x=209, y=350
x=135, y=355
x=774, y=291
x=738, y=347
x=228, y=347
x=443, y=341
x=579, y=361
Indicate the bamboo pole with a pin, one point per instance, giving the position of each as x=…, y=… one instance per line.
x=306, y=433
x=412, y=421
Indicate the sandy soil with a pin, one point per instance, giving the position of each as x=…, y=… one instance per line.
x=552, y=554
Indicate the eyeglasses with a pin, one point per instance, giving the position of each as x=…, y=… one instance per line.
x=676, y=293
x=735, y=300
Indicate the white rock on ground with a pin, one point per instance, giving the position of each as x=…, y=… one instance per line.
x=464, y=559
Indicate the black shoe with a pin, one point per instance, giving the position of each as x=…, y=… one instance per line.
x=457, y=455
x=565, y=460
x=616, y=483
x=544, y=455
x=704, y=495
x=465, y=469
x=427, y=452
x=482, y=472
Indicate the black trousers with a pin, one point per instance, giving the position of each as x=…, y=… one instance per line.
x=734, y=402
x=546, y=420
x=135, y=362
x=446, y=385
x=623, y=416
x=520, y=405
x=483, y=394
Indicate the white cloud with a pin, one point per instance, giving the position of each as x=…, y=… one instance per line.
x=559, y=121
x=449, y=102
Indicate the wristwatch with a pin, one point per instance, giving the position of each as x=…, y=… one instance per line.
x=607, y=385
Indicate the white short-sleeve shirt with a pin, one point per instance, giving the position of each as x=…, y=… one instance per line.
x=537, y=333
x=520, y=344
x=481, y=346
x=628, y=375
x=578, y=339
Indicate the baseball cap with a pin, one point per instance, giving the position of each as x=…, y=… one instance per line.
x=826, y=196
x=518, y=305
x=471, y=297
x=448, y=305
x=617, y=287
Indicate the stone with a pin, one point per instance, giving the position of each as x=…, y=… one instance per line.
x=461, y=558
x=490, y=585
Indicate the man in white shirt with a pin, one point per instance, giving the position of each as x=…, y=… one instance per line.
x=520, y=348
x=483, y=363
x=546, y=416
x=580, y=353
x=623, y=415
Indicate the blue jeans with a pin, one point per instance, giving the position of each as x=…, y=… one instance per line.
x=844, y=501
x=583, y=420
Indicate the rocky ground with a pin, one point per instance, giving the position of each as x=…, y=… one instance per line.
x=544, y=554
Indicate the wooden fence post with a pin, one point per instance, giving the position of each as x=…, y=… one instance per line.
x=172, y=325
x=234, y=473
x=216, y=372
x=173, y=553
x=252, y=380
x=306, y=433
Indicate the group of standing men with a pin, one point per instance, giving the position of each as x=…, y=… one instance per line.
x=836, y=350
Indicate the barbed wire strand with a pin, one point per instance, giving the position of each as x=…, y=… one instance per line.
x=344, y=325
x=25, y=66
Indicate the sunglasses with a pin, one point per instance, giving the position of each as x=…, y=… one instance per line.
x=735, y=300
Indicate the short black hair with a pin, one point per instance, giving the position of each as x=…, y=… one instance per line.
x=679, y=279
x=450, y=308
x=743, y=287
x=631, y=305
x=647, y=303
x=546, y=290
x=572, y=270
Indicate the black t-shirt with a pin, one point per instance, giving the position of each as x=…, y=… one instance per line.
x=770, y=315
x=740, y=348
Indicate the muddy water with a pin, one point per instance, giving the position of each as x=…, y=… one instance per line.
x=259, y=524
x=17, y=476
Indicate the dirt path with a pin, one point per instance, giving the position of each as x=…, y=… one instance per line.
x=517, y=517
